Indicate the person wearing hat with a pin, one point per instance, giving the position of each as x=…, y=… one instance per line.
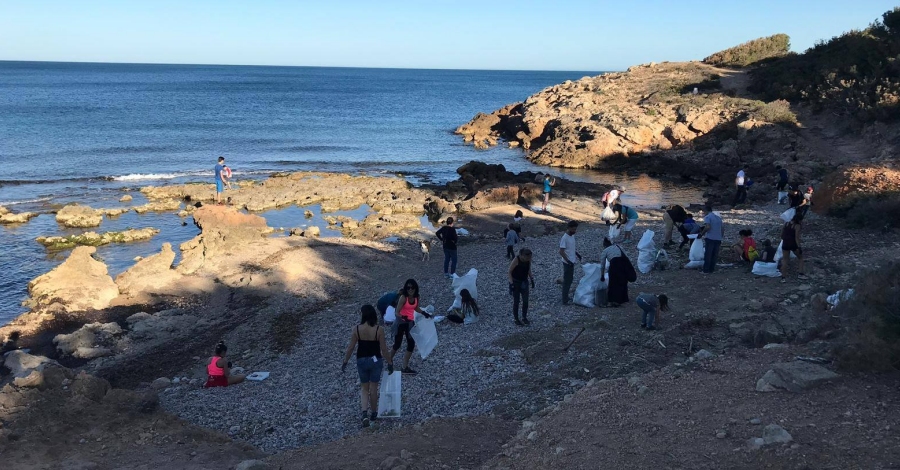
x=806, y=203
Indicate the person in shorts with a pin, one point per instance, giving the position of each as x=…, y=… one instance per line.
x=628, y=218
x=367, y=339
x=220, y=179
x=548, y=186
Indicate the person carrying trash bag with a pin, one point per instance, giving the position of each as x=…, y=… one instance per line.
x=407, y=306
x=367, y=339
x=620, y=271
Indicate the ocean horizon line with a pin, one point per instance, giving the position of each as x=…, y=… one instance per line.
x=176, y=64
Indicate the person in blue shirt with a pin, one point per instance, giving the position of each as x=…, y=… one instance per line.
x=548, y=183
x=628, y=218
x=220, y=179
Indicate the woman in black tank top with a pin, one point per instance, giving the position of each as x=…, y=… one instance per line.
x=369, y=360
x=519, y=276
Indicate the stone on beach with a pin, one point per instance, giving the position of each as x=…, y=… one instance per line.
x=151, y=275
x=79, y=283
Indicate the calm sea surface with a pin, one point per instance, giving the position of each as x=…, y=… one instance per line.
x=84, y=132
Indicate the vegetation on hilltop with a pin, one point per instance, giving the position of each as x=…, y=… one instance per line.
x=751, y=52
x=856, y=73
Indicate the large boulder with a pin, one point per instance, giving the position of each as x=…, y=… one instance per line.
x=21, y=363
x=90, y=387
x=150, y=275
x=795, y=376
x=90, y=341
x=79, y=283
x=224, y=230
x=843, y=186
x=78, y=216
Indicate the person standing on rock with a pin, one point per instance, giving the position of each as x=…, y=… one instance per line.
x=548, y=186
x=219, y=369
x=568, y=252
x=675, y=214
x=220, y=179
x=407, y=305
x=447, y=235
x=714, y=231
x=520, y=275
x=741, y=195
x=367, y=338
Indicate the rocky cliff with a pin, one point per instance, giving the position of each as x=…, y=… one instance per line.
x=682, y=119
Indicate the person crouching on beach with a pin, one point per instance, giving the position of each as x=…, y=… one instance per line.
x=219, y=369
x=367, y=338
x=651, y=305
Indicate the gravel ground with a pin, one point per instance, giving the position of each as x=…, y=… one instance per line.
x=307, y=400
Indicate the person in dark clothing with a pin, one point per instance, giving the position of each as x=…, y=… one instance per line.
x=447, y=235
x=768, y=252
x=690, y=226
x=617, y=290
x=795, y=197
x=519, y=276
x=675, y=214
x=782, y=178
x=790, y=243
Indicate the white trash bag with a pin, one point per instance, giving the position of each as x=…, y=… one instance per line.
x=608, y=214
x=614, y=232
x=782, y=196
x=761, y=268
x=425, y=335
x=647, y=252
x=390, y=314
x=696, y=255
x=779, y=254
x=469, y=281
x=588, y=285
x=389, y=395
x=839, y=296
x=788, y=215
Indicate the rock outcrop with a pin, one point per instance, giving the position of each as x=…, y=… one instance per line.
x=8, y=217
x=224, y=230
x=91, y=341
x=96, y=239
x=150, y=275
x=78, y=216
x=79, y=283
x=648, y=119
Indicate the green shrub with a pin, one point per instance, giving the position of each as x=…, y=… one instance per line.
x=778, y=112
x=872, y=320
x=880, y=210
x=857, y=73
x=751, y=52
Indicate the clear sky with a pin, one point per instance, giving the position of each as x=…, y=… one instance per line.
x=484, y=34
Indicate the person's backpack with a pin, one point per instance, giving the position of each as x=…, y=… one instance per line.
x=752, y=254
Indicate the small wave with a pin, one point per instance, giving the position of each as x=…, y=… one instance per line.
x=149, y=176
x=26, y=201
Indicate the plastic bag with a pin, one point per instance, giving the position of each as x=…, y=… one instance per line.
x=780, y=254
x=390, y=315
x=788, y=214
x=469, y=282
x=782, y=196
x=389, y=395
x=589, y=283
x=425, y=335
x=839, y=296
x=761, y=268
x=647, y=254
x=608, y=214
x=614, y=231
x=696, y=255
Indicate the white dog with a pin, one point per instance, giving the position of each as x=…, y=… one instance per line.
x=426, y=250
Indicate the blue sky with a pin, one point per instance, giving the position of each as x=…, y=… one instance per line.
x=529, y=35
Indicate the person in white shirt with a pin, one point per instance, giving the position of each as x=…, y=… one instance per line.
x=568, y=252
x=741, y=196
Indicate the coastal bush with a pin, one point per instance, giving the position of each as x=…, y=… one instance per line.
x=856, y=73
x=879, y=210
x=776, y=112
x=751, y=52
x=873, y=321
